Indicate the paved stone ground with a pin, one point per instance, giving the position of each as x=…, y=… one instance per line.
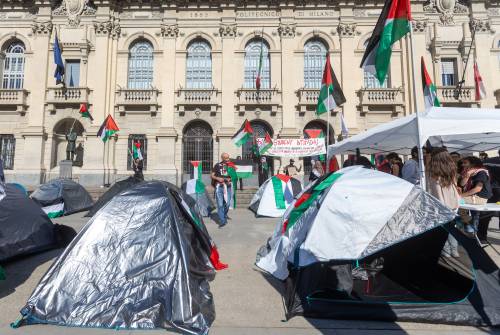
x=246, y=301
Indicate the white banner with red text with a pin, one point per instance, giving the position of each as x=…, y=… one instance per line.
x=295, y=147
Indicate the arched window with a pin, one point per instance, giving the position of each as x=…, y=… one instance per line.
x=252, y=61
x=13, y=66
x=199, y=65
x=370, y=81
x=140, y=65
x=315, y=125
x=314, y=63
x=197, y=146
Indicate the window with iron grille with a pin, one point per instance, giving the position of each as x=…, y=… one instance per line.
x=132, y=139
x=140, y=65
x=252, y=59
x=199, y=65
x=13, y=66
x=197, y=146
x=314, y=63
x=7, y=151
x=449, y=71
x=259, y=130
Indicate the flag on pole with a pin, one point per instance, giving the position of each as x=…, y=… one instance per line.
x=392, y=25
x=268, y=143
x=430, y=92
x=343, y=126
x=59, y=74
x=478, y=81
x=315, y=133
x=258, y=79
x=84, y=112
x=330, y=95
x=137, y=154
x=197, y=169
x=243, y=135
x=108, y=128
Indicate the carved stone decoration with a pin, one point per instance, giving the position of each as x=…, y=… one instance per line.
x=170, y=31
x=287, y=30
x=419, y=26
x=447, y=8
x=228, y=30
x=42, y=28
x=107, y=28
x=482, y=26
x=347, y=29
x=73, y=9
x=493, y=11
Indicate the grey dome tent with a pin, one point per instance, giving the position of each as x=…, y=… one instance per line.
x=117, y=188
x=143, y=261
x=362, y=244
x=24, y=227
x=62, y=197
x=196, y=190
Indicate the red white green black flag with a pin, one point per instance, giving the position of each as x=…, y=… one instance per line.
x=243, y=135
x=268, y=143
x=478, y=81
x=430, y=92
x=108, y=128
x=84, y=112
x=137, y=153
x=330, y=95
x=392, y=25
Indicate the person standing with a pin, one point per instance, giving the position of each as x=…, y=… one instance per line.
x=221, y=181
x=240, y=179
x=411, y=170
x=317, y=171
x=263, y=170
x=442, y=185
x=2, y=175
x=138, y=166
x=292, y=170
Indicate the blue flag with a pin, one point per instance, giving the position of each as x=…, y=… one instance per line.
x=59, y=74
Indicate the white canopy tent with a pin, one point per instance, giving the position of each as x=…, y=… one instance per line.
x=459, y=129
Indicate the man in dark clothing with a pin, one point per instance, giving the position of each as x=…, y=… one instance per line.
x=221, y=181
x=263, y=170
x=240, y=179
x=493, y=166
x=138, y=167
x=2, y=175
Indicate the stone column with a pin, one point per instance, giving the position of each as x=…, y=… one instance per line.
x=31, y=171
x=165, y=168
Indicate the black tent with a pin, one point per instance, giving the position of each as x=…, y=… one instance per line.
x=24, y=227
x=117, y=188
x=144, y=261
x=201, y=198
x=62, y=197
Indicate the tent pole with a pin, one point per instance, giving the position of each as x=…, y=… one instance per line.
x=415, y=109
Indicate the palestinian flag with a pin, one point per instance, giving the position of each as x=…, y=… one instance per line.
x=243, y=168
x=84, y=112
x=315, y=133
x=197, y=169
x=330, y=95
x=392, y=25
x=430, y=92
x=54, y=211
x=258, y=79
x=195, y=186
x=137, y=154
x=478, y=81
x=108, y=128
x=283, y=190
x=268, y=143
x=243, y=135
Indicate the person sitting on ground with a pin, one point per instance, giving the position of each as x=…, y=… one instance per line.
x=411, y=170
x=292, y=170
x=476, y=186
x=441, y=184
x=317, y=171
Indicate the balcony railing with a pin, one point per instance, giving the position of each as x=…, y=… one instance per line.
x=17, y=98
x=136, y=98
x=67, y=95
x=392, y=98
x=264, y=97
x=449, y=94
x=197, y=97
x=308, y=97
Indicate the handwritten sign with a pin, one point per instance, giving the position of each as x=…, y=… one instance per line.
x=295, y=147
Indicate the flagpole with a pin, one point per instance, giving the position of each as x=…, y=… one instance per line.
x=415, y=108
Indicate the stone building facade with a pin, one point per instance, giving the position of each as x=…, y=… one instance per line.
x=178, y=76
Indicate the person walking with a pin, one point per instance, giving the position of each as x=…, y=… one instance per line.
x=442, y=185
x=317, y=171
x=221, y=181
x=411, y=170
x=292, y=170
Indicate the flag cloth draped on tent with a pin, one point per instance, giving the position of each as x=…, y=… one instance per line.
x=478, y=82
x=391, y=26
x=268, y=143
x=195, y=184
x=330, y=95
x=430, y=92
x=243, y=135
x=108, y=128
x=137, y=154
x=84, y=112
x=59, y=74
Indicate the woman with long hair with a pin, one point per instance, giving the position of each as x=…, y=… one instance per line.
x=317, y=171
x=442, y=172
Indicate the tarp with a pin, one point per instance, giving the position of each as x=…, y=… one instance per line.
x=24, y=227
x=204, y=203
x=117, y=188
x=142, y=262
x=74, y=197
x=459, y=129
x=266, y=202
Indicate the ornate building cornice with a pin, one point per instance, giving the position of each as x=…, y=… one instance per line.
x=419, y=26
x=482, y=26
x=42, y=28
x=228, y=30
x=170, y=30
x=447, y=9
x=74, y=9
x=287, y=30
x=107, y=28
x=347, y=29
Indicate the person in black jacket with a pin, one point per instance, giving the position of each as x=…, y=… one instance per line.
x=2, y=175
x=138, y=167
x=493, y=166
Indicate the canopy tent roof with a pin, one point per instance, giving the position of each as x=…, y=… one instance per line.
x=459, y=129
